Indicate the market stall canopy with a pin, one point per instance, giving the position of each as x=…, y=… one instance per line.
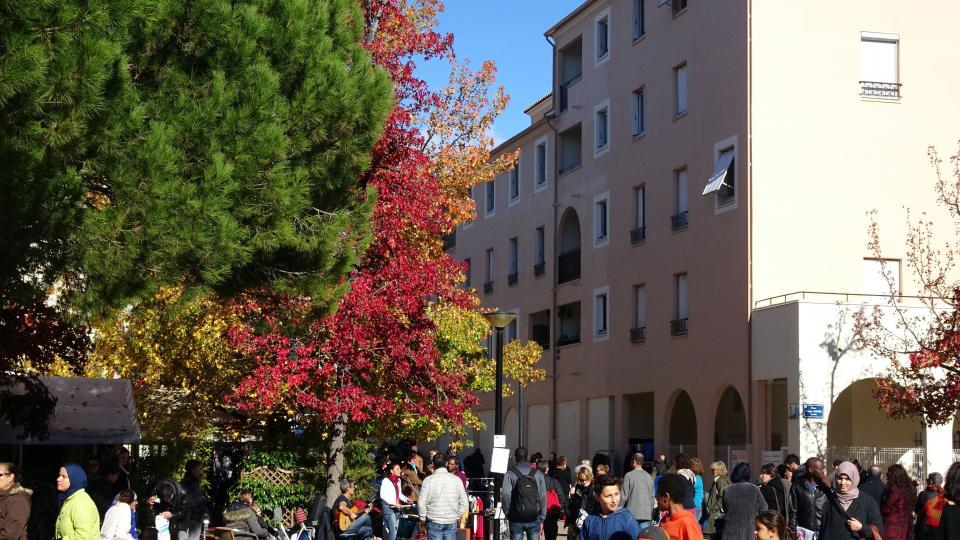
x=89, y=411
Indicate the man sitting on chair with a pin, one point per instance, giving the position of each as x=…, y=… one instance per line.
x=360, y=525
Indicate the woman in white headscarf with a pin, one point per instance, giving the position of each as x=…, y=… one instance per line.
x=847, y=512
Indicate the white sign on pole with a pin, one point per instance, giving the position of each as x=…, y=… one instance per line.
x=500, y=460
x=771, y=456
x=499, y=441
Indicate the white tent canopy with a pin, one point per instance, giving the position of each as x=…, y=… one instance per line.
x=88, y=411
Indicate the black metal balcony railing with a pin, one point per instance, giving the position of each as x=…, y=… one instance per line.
x=571, y=165
x=563, y=96
x=678, y=221
x=638, y=335
x=488, y=287
x=567, y=340
x=678, y=327
x=638, y=235
x=880, y=89
x=569, y=266
x=512, y=278
x=539, y=269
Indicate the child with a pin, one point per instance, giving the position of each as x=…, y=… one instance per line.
x=679, y=524
x=613, y=523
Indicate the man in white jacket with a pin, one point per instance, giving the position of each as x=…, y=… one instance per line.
x=442, y=501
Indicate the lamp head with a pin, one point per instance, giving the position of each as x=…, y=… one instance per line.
x=499, y=319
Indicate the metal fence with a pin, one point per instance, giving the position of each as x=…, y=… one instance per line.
x=912, y=459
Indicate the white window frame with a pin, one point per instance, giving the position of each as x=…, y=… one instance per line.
x=544, y=141
x=599, y=241
x=640, y=206
x=602, y=107
x=639, y=20
x=490, y=194
x=679, y=278
x=603, y=16
x=640, y=308
x=638, y=107
x=879, y=37
x=515, y=322
x=734, y=202
x=681, y=68
x=515, y=171
x=598, y=333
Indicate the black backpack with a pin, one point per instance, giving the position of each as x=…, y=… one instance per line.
x=525, y=497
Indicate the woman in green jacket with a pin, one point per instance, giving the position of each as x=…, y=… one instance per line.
x=715, y=498
x=79, y=518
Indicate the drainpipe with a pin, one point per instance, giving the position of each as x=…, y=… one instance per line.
x=556, y=246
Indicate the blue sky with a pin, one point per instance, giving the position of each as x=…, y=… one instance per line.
x=509, y=32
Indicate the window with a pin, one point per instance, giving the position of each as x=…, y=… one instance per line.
x=467, y=271
x=601, y=311
x=568, y=321
x=881, y=277
x=639, y=232
x=488, y=277
x=679, y=324
x=639, y=20
x=722, y=180
x=601, y=128
x=570, y=141
x=490, y=194
x=879, y=73
x=512, y=330
x=638, y=334
x=679, y=218
x=540, y=328
x=603, y=35
x=680, y=87
x=540, y=254
x=514, y=255
x=571, y=69
x=639, y=112
x=678, y=6
x=540, y=174
x=515, y=182
x=601, y=219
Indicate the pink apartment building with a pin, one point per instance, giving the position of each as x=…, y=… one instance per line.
x=699, y=167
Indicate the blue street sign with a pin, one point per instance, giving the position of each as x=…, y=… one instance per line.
x=812, y=410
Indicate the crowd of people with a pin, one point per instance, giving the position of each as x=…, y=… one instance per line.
x=437, y=495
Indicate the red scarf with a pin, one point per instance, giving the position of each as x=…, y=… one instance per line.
x=934, y=509
x=395, y=480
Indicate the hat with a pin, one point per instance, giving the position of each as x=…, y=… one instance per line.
x=300, y=516
x=654, y=533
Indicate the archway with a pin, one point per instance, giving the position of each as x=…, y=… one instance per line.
x=730, y=425
x=568, y=258
x=858, y=429
x=683, y=425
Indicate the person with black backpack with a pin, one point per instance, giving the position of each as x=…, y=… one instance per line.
x=524, y=496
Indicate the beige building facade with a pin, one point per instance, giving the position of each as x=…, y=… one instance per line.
x=696, y=171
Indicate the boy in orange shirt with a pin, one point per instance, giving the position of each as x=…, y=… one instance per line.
x=679, y=524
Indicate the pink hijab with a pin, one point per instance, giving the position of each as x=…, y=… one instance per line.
x=846, y=497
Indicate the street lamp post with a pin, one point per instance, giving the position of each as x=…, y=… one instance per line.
x=499, y=321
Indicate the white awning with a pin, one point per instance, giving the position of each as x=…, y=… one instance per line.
x=719, y=173
x=88, y=411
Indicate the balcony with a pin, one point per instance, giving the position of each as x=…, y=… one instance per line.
x=885, y=90
x=488, y=287
x=567, y=340
x=678, y=327
x=638, y=235
x=569, y=266
x=638, y=335
x=539, y=269
x=678, y=221
x=512, y=278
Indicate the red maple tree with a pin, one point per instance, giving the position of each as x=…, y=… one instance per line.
x=373, y=363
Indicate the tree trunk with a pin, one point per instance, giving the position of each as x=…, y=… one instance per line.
x=335, y=459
